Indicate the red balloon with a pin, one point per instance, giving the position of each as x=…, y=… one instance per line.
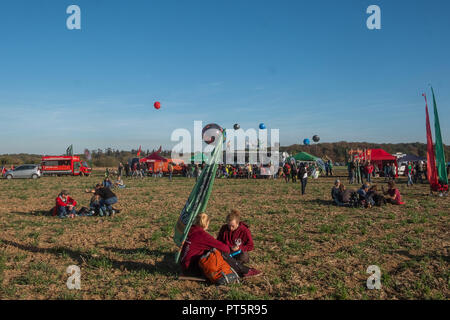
x=157, y=105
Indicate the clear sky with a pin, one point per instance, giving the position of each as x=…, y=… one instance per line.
x=304, y=67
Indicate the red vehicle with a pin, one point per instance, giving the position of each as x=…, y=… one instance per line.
x=64, y=165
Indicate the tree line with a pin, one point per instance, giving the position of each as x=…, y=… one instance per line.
x=337, y=151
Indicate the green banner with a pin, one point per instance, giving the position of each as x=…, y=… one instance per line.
x=440, y=155
x=198, y=199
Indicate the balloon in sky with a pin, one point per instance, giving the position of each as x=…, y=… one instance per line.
x=157, y=105
x=211, y=131
x=236, y=126
x=316, y=138
x=306, y=142
x=262, y=126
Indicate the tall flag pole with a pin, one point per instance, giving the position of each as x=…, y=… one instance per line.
x=431, y=160
x=440, y=155
x=198, y=199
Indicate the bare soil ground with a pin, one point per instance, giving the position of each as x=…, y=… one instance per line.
x=306, y=247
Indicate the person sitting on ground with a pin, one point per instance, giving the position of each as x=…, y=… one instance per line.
x=94, y=206
x=65, y=205
x=119, y=183
x=237, y=236
x=345, y=195
x=375, y=197
x=107, y=199
x=107, y=183
x=335, y=193
x=393, y=195
x=363, y=198
x=198, y=242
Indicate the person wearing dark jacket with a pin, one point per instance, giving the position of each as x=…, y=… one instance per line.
x=237, y=236
x=107, y=199
x=335, y=192
x=198, y=242
x=303, y=176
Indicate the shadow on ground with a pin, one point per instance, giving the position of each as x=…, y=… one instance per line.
x=166, y=267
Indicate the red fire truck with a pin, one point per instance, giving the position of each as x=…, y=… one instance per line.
x=64, y=165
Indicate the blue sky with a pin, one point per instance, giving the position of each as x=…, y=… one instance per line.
x=304, y=67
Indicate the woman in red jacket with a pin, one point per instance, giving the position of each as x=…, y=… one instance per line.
x=199, y=241
x=236, y=235
x=65, y=205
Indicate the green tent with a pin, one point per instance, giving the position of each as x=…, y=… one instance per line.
x=199, y=157
x=304, y=156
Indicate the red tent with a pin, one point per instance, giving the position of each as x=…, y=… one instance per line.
x=378, y=156
x=154, y=161
x=153, y=158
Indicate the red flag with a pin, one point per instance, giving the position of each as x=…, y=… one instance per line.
x=431, y=159
x=139, y=152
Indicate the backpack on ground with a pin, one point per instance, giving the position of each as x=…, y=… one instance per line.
x=216, y=269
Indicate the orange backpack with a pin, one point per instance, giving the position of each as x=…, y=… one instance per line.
x=216, y=269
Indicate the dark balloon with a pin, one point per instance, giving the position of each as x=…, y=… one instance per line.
x=262, y=126
x=236, y=126
x=210, y=132
x=316, y=138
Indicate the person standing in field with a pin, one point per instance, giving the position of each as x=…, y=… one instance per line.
x=294, y=171
x=303, y=175
x=330, y=167
x=170, y=169
x=120, y=169
x=409, y=173
x=287, y=172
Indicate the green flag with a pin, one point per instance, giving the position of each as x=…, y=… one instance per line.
x=440, y=155
x=69, y=150
x=198, y=199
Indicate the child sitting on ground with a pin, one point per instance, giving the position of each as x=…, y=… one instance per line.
x=237, y=236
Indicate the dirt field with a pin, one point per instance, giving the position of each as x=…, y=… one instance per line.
x=306, y=247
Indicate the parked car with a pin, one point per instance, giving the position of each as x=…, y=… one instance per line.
x=25, y=171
